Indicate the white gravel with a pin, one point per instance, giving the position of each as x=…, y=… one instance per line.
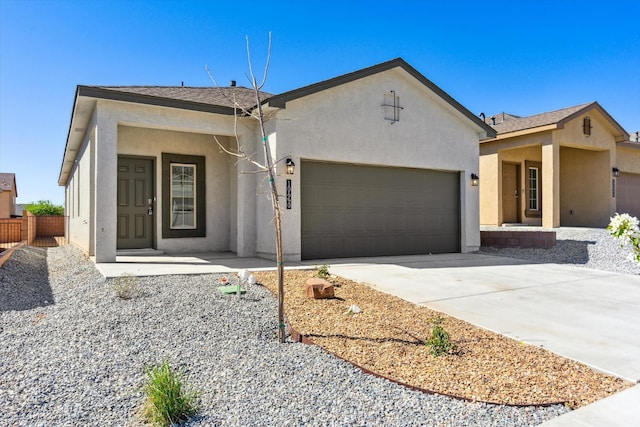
x=584, y=247
x=72, y=353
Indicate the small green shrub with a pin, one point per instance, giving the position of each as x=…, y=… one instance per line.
x=322, y=271
x=45, y=207
x=169, y=401
x=439, y=342
x=127, y=287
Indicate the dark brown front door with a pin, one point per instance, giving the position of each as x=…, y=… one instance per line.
x=510, y=193
x=135, y=203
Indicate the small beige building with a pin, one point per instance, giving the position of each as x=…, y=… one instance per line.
x=570, y=167
x=383, y=159
x=8, y=195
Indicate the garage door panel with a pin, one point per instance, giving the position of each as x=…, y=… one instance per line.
x=353, y=210
x=628, y=194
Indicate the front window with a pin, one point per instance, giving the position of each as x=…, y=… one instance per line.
x=183, y=196
x=183, y=200
x=533, y=189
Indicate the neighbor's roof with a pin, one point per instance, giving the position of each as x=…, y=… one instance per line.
x=537, y=120
x=8, y=182
x=558, y=117
x=188, y=97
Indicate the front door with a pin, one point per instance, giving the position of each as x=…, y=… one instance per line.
x=510, y=193
x=135, y=203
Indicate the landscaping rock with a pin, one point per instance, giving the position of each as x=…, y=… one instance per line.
x=318, y=288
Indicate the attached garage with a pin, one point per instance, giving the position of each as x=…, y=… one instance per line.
x=353, y=210
x=628, y=194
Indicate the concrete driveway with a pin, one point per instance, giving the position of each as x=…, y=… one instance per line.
x=587, y=315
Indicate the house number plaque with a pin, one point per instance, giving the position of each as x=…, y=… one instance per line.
x=288, y=194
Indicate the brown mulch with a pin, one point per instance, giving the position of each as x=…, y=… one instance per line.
x=389, y=338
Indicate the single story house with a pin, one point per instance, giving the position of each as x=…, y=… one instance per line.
x=570, y=167
x=8, y=194
x=383, y=159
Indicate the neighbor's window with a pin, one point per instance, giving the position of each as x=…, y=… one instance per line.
x=533, y=189
x=183, y=196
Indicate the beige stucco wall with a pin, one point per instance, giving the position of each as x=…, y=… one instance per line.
x=628, y=157
x=586, y=164
x=347, y=124
x=585, y=188
x=572, y=135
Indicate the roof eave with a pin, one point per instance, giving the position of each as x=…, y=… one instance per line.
x=521, y=132
x=115, y=95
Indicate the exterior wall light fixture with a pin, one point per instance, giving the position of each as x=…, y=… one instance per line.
x=475, y=180
x=291, y=167
x=616, y=171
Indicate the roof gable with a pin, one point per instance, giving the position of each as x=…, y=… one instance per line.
x=554, y=119
x=280, y=101
x=8, y=182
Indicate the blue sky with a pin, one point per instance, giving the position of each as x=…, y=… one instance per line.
x=522, y=57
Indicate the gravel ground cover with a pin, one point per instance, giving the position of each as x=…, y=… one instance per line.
x=584, y=247
x=72, y=353
x=389, y=338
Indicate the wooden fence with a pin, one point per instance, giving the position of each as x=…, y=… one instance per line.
x=45, y=231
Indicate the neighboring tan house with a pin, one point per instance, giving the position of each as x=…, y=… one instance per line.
x=383, y=159
x=556, y=169
x=8, y=194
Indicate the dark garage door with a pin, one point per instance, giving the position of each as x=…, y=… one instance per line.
x=628, y=194
x=353, y=210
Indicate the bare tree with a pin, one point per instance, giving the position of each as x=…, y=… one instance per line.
x=267, y=167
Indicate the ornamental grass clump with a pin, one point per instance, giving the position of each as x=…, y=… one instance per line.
x=169, y=400
x=626, y=228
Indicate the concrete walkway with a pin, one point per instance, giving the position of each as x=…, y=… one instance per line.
x=586, y=315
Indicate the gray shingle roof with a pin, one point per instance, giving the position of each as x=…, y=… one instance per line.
x=219, y=96
x=537, y=120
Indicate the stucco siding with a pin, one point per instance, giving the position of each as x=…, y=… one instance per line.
x=490, y=187
x=628, y=157
x=572, y=134
x=347, y=124
x=585, y=188
x=80, y=196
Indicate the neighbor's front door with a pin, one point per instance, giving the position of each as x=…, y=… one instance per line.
x=135, y=203
x=510, y=193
